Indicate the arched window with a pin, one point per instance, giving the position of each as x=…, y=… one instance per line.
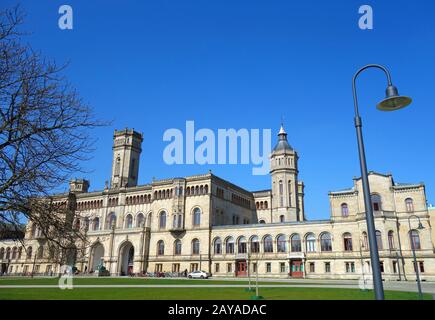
x=261, y=221
x=14, y=252
x=376, y=202
x=8, y=253
x=96, y=224
x=281, y=243
x=365, y=243
x=391, y=240
x=281, y=198
x=268, y=244
x=344, y=210
x=140, y=220
x=289, y=193
x=281, y=218
x=177, y=247
x=229, y=246
x=265, y=204
x=296, y=243
x=409, y=205
x=196, y=217
x=195, y=246
x=2, y=253
x=310, y=242
x=162, y=220
x=29, y=252
x=255, y=244
x=218, y=246
x=160, y=248
x=111, y=221
x=86, y=224
x=40, y=252
x=347, y=241
x=20, y=251
x=379, y=240
x=129, y=221
x=415, y=239
x=242, y=246
x=325, y=242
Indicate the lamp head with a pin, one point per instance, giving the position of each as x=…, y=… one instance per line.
x=393, y=101
x=420, y=226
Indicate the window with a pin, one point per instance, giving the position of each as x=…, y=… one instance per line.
x=218, y=246
x=376, y=202
x=129, y=222
x=326, y=242
x=268, y=267
x=216, y=267
x=111, y=221
x=281, y=245
x=140, y=220
x=229, y=245
x=177, y=247
x=160, y=248
x=229, y=267
x=381, y=265
x=195, y=246
x=261, y=221
x=391, y=240
x=96, y=224
x=365, y=244
x=394, y=266
x=281, y=198
x=29, y=252
x=344, y=210
x=255, y=244
x=415, y=239
x=311, y=242
x=175, y=267
x=409, y=205
x=296, y=243
x=347, y=238
x=40, y=252
x=8, y=253
x=268, y=244
x=254, y=267
x=289, y=193
x=379, y=240
x=196, y=217
x=242, y=245
x=159, y=267
x=312, y=267
x=327, y=267
x=350, y=267
x=421, y=265
x=162, y=220
x=2, y=253
x=281, y=218
x=281, y=267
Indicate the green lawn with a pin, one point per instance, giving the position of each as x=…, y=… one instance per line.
x=179, y=293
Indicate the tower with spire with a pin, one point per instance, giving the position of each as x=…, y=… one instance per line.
x=287, y=191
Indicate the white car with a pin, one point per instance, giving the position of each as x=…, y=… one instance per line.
x=198, y=275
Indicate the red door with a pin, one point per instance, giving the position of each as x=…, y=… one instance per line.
x=296, y=269
x=241, y=269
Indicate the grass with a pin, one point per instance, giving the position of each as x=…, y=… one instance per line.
x=284, y=293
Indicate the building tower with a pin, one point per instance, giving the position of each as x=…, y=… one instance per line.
x=287, y=198
x=127, y=146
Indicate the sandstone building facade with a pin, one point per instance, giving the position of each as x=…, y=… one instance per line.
x=205, y=222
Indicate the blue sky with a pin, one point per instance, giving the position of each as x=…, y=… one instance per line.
x=152, y=65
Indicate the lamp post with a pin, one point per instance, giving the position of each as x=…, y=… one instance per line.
x=392, y=102
x=420, y=227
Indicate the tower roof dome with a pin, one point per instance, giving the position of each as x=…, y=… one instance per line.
x=282, y=144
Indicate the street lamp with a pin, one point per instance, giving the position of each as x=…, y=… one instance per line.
x=420, y=227
x=392, y=102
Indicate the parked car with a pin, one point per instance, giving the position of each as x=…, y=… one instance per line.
x=198, y=275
